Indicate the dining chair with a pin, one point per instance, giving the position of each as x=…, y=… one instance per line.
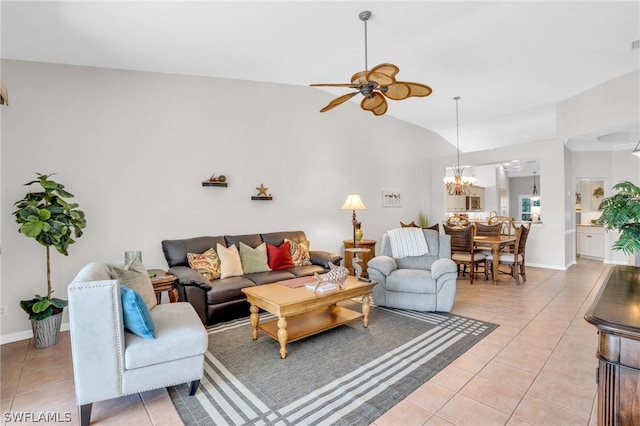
x=516, y=259
x=458, y=220
x=483, y=230
x=462, y=249
x=408, y=225
x=508, y=226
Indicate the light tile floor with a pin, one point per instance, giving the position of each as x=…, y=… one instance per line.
x=537, y=368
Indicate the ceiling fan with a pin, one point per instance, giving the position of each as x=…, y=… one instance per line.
x=376, y=84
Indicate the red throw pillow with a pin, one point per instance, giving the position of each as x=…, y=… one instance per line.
x=279, y=257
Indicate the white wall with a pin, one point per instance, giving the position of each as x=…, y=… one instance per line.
x=134, y=148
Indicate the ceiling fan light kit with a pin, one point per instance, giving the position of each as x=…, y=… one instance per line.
x=377, y=84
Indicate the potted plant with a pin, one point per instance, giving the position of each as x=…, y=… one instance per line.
x=53, y=222
x=622, y=212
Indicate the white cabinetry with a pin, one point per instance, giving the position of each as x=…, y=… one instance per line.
x=458, y=203
x=590, y=241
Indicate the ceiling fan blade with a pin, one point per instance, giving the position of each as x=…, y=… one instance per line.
x=359, y=77
x=339, y=100
x=354, y=86
x=383, y=74
x=398, y=91
x=417, y=89
x=377, y=104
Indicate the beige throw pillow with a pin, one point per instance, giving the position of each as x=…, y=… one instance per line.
x=230, y=263
x=135, y=276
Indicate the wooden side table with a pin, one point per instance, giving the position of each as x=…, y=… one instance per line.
x=365, y=256
x=163, y=281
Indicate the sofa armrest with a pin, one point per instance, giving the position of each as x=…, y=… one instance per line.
x=323, y=258
x=97, y=339
x=384, y=264
x=441, y=267
x=190, y=277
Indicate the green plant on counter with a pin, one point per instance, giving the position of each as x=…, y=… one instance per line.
x=53, y=222
x=622, y=212
x=423, y=219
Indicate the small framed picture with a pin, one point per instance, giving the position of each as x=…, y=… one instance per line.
x=391, y=199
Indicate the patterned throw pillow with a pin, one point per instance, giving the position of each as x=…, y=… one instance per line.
x=230, y=264
x=207, y=263
x=254, y=259
x=300, y=253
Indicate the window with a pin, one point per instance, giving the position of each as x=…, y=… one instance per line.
x=528, y=207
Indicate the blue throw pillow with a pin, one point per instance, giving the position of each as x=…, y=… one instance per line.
x=135, y=314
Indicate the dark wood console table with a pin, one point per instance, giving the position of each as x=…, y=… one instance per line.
x=616, y=314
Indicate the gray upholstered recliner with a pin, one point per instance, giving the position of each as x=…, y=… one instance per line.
x=421, y=283
x=109, y=362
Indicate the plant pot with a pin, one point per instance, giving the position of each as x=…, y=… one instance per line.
x=46, y=331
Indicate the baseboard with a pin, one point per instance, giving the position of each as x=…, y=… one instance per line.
x=24, y=335
x=540, y=265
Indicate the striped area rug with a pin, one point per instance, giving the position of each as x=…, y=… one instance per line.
x=349, y=375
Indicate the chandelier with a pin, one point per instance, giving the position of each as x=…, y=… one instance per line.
x=458, y=184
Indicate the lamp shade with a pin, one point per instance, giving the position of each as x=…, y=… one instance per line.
x=353, y=203
x=636, y=151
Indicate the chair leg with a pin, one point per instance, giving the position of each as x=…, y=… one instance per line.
x=515, y=274
x=524, y=275
x=193, y=387
x=486, y=272
x=471, y=273
x=85, y=414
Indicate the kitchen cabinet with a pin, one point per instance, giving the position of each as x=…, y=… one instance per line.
x=458, y=203
x=590, y=241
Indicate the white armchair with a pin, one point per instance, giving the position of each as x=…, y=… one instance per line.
x=109, y=362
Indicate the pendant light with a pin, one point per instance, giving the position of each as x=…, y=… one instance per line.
x=636, y=151
x=534, y=195
x=458, y=184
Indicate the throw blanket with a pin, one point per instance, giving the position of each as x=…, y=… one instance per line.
x=407, y=242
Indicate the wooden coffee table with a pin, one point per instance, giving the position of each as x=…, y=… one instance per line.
x=301, y=312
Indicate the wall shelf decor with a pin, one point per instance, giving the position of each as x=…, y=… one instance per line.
x=216, y=181
x=262, y=194
x=222, y=184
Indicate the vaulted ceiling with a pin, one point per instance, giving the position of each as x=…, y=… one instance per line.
x=510, y=61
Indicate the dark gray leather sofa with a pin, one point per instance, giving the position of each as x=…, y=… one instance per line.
x=221, y=299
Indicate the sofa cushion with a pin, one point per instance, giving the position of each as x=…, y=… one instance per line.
x=270, y=277
x=307, y=270
x=175, y=251
x=254, y=259
x=135, y=276
x=179, y=334
x=252, y=240
x=228, y=289
x=207, y=264
x=323, y=258
x=279, y=257
x=411, y=281
x=230, y=264
x=135, y=315
x=299, y=253
x=277, y=238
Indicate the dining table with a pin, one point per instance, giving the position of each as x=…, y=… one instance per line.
x=497, y=242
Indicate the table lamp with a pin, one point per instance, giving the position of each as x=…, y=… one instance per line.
x=354, y=203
